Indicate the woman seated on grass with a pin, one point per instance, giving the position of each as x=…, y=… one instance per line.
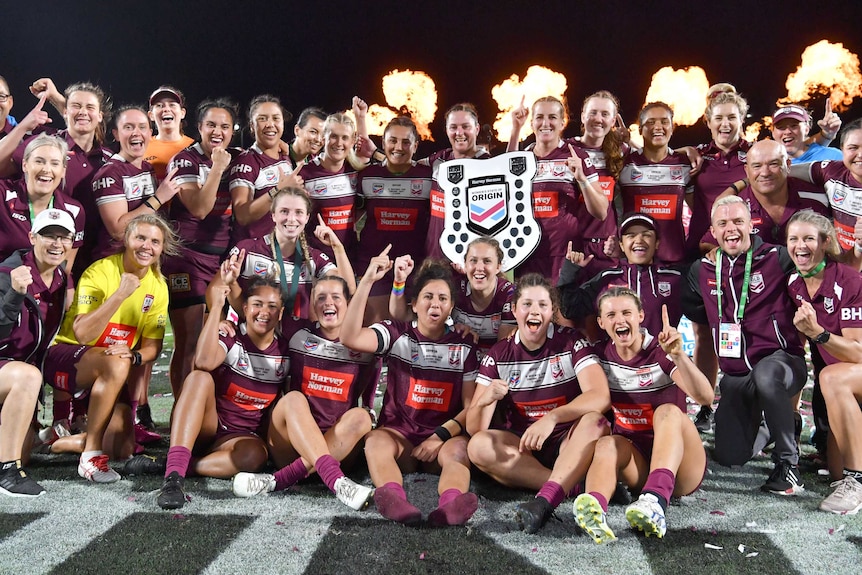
x=223, y=411
x=655, y=448
x=538, y=407
x=432, y=370
x=318, y=424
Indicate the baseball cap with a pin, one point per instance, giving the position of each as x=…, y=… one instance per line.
x=53, y=217
x=797, y=113
x=166, y=92
x=632, y=219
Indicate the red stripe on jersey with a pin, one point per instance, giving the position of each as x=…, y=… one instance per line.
x=438, y=205
x=538, y=409
x=247, y=399
x=633, y=416
x=546, y=204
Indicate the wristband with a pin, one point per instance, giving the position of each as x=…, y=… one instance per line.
x=398, y=288
x=155, y=197
x=443, y=433
x=149, y=205
x=136, y=358
x=271, y=193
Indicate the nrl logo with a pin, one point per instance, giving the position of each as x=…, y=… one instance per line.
x=490, y=198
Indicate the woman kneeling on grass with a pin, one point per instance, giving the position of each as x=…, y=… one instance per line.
x=538, y=407
x=222, y=412
x=318, y=423
x=655, y=447
x=431, y=378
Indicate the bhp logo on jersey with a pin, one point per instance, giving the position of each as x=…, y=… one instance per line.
x=851, y=314
x=241, y=169
x=103, y=183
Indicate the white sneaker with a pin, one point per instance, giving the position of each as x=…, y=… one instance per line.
x=251, y=484
x=352, y=494
x=846, y=499
x=647, y=515
x=96, y=469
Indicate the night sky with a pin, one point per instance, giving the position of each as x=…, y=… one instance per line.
x=322, y=53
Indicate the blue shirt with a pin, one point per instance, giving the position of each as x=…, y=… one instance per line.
x=817, y=153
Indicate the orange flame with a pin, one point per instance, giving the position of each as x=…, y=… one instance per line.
x=682, y=90
x=826, y=69
x=752, y=132
x=377, y=118
x=416, y=92
x=538, y=82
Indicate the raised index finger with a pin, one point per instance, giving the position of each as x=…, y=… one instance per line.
x=664, y=316
x=572, y=150
x=620, y=122
x=385, y=251
x=41, y=103
x=828, y=105
x=298, y=167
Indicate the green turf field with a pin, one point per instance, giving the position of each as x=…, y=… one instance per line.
x=728, y=527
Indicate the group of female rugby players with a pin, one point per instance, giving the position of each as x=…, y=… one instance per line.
x=280, y=343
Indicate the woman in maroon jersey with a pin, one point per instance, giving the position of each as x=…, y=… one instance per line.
x=318, y=423
x=223, y=412
x=202, y=215
x=430, y=382
x=538, y=405
x=261, y=170
x=565, y=176
x=829, y=295
x=655, y=448
x=286, y=254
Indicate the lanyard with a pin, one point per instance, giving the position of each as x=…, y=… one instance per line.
x=746, y=280
x=30, y=205
x=289, y=290
x=817, y=269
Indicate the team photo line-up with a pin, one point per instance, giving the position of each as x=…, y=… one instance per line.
x=301, y=278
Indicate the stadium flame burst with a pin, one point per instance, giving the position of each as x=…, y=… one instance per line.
x=826, y=69
x=538, y=82
x=683, y=90
x=412, y=92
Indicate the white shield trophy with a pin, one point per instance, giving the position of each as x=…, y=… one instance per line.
x=490, y=198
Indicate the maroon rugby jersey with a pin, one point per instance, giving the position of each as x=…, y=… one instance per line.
x=333, y=195
x=555, y=207
x=396, y=212
x=211, y=234
x=844, y=193
x=638, y=386
x=593, y=231
x=248, y=381
x=718, y=172
x=260, y=261
x=15, y=216
x=119, y=181
x=485, y=323
x=658, y=189
x=258, y=172
x=425, y=378
x=332, y=377
x=437, y=222
x=540, y=381
x=838, y=301
x=801, y=195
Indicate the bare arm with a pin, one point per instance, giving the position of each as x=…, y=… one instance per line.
x=90, y=325
x=209, y=354
x=199, y=201
x=352, y=334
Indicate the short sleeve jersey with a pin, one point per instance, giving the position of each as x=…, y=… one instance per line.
x=331, y=376
x=15, y=216
x=142, y=315
x=838, y=301
x=258, y=172
x=591, y=228
x=333, y=195
x=212, y=232
x=658, y=189
x=425, y=378
x=397, y=212
x=539, y=382
x=639, y=385
x=248, y=381
x=845, y=196
x=119, y=181
x=485, y=323
x=260, y=261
